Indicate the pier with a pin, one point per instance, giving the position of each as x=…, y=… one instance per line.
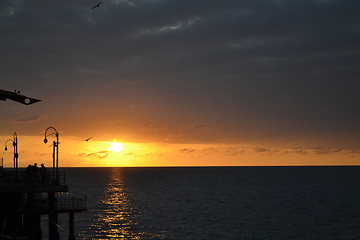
x=23, y=199
x=27, y=194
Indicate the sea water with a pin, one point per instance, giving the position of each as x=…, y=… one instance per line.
x=286, y=203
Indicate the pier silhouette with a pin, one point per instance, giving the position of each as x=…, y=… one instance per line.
x=26, y=194
x=24, y=197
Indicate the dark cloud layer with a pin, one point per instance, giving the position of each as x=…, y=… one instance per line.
x=266, y=69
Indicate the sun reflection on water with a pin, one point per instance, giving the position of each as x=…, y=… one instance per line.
x=117, y=218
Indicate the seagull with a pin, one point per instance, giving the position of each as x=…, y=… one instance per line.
x=88, y=139
x=98, y=5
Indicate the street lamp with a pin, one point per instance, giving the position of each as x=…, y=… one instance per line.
x=16, y=155
x=55, y=153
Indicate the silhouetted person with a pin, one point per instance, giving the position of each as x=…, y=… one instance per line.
x=29, y=174
x=35, y=173
x=43, y=173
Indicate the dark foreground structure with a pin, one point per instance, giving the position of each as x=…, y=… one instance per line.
x=25, y=196
x=17, y=97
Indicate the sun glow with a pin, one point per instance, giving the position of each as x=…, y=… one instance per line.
x=115, y=147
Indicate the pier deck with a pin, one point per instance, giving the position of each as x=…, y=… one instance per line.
x=25, y=197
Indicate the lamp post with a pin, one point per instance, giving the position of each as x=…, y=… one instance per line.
x=16, y=155
x=55, y=153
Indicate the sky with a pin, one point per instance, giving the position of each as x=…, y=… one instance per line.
x=183, y=83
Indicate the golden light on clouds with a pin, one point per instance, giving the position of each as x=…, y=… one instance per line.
x=75, y=152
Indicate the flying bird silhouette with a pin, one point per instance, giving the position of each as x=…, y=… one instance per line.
x=88, y=139
x=98, y=5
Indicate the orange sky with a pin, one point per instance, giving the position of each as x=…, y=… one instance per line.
x=75, y=152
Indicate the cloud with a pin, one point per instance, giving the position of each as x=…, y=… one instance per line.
x=225, y=150
x=187, y=150
x=178, y=26
x=29, y=119
x=97, y=155
x=321, y=150
x=262, y=150
x=113, y=122
x=296, y=151
x=129, y=153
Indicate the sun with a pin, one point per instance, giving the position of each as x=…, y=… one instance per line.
x=115, y=147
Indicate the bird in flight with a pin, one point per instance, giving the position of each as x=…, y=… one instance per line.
x=98, y=5
x=88, y=139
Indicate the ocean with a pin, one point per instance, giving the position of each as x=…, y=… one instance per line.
x=250, y=203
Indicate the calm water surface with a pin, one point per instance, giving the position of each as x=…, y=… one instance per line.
x=216, y=203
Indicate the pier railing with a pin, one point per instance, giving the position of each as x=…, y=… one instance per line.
x=65, y=202
x=23, y=176
x=52, y=178
x=62, y=204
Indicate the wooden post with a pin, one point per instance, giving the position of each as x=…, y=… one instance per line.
x=71, y=226
x=53, y=219
x=29, y=216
